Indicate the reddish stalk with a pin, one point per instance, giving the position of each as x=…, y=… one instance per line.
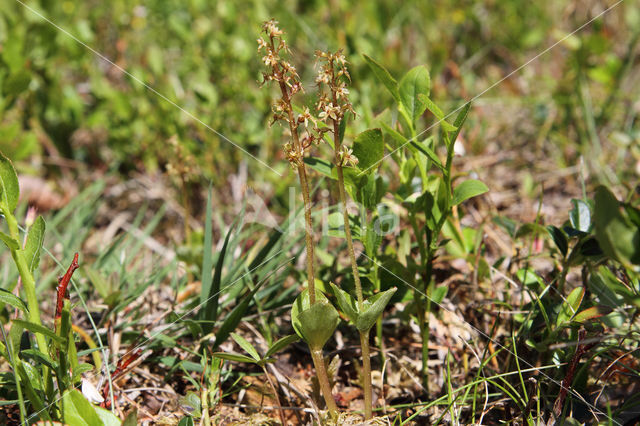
x=63, y=284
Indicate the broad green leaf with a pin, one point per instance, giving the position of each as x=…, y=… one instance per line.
x=618, y=237
x=77, y=411
x=592, y=313
x=302, y=303
x=428, y=152
x=321, y=166
x=186, y=421
x=373, y=308
x=280, y=344
x=232, y=356
x=244, y=344
x=107, y=417
x=439, y=293
x=570, y=305
x=559, y=238
x=131, y=419
x=317, y=323
x=346, y=303
x=383, y=75
x=11, y=243
x=580, y=216
x=9, y=298
x=468, y=189
x=9, y=189
x=415, y=82
x=435, y=110
x=372, y=240
x=33, y=246
x=368, y=147
x=37, y=328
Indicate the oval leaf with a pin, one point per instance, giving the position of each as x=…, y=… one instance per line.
x=570, y=306
x=580, y=216
x=592, y=313
x=416, y=82
x=468, y=189
x=618, y=237
x=33, y=246
x=368, y=147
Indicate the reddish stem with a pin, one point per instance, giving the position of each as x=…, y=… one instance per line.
x=121, y=368
x=63, y=283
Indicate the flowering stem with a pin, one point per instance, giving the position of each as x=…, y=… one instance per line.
x=323, y=380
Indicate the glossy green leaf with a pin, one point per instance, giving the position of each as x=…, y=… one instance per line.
x=416, y=82
x=373, y=308
x=244, y=344
x=11, y=299
x=317, y=323
x=280, y=344
x=33, y=246
x=437, y=112
x=570, y=305
x=559, y=238
x=186, y=421
x=107, y=417
x=9, y=189
x=321, y=166
x=384, y=77
x=232, y=356
x=580, y=216
x=346, y=303
x=468, y=189
x=302, y=303
x=617, y=236
x=368, y=147
x=11, y=243
x=592, y=313
x=77, y=411
x=439, y=293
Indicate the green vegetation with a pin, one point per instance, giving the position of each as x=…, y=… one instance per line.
x=462, y=179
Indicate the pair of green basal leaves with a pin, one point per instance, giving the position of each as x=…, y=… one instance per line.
x=316, y=323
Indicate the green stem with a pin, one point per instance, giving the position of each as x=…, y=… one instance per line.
x=28, y=283
x=323, y=380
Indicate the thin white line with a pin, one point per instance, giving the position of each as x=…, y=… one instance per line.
x=147, y=86
x=570, y=389
x=494, y=84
